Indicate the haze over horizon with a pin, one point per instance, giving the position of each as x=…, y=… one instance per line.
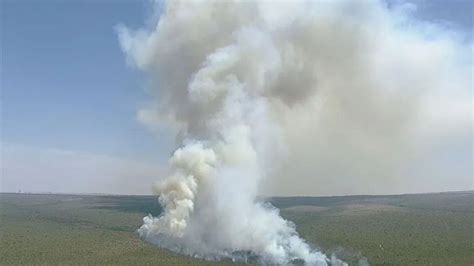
x=75, y=118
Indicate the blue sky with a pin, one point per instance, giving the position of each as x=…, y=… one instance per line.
x=66, y=87
x=65, y=83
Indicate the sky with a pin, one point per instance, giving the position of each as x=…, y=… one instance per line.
x=69, y=100
x=65, y=81
x=66, y=86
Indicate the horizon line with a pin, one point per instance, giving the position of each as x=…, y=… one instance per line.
x=258, y=196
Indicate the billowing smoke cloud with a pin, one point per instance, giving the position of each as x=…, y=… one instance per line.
x=261, y=90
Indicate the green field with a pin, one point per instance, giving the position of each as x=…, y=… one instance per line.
x=425, y=229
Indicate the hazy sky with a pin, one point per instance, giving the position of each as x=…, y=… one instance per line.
x=69, y=101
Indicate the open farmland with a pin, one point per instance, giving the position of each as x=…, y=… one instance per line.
x=435, y=229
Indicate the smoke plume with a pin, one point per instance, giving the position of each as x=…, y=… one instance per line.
x=257, y=90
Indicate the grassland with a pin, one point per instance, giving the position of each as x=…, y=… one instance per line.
x=427, y=229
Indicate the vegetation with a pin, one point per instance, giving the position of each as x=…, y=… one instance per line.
x=429, y=229
x=433, y=229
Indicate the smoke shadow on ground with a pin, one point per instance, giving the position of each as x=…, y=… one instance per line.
x=447, y=201
x=130, y=204
x=150, y=205
x=288, y=202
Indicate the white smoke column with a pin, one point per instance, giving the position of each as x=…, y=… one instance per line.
x=219, y=95
x=218, y=171
x=235, y=78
